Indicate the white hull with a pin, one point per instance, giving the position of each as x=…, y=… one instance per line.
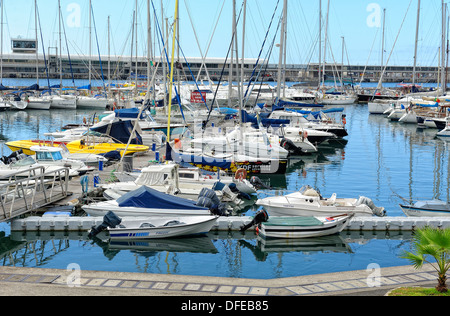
x=185, y=226
x=396, y=114
x=87, y=102
x=289, y=231
x=377, y=107
x=308, y=202
x=58, y=102
x=433, y=208
x=18, y=105
x=338, y=100
x=38, y=104
x=408, y=117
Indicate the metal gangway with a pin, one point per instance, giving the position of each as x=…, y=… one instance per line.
x=26, y=191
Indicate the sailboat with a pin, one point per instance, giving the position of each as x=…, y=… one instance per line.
x=87, y=100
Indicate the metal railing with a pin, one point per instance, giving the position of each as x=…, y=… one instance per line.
x=25, y=191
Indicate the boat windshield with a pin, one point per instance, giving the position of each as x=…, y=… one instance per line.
x=23, y=162
x=49, y=156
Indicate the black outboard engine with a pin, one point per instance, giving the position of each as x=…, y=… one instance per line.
x=257, y=183
x=109, y=220
x=208, y=198
x=259, y=218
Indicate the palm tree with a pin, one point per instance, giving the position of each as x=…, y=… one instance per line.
x=434, y=243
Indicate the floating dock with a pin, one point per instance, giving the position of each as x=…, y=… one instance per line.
x=231, y=223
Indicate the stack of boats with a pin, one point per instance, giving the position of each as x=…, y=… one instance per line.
x=424, y=110
x=163, y=200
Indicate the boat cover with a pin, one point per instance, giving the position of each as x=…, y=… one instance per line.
x=129, y=113
x=146, y=197
x=120, y=130
x=180, y=158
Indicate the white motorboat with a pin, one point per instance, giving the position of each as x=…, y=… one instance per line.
x=299, y=138
x=129, y=228
x=247, y=142
x=145, y=201
x=308, y=202
x=298, y=120
x=303, y=226
x=19, y=162
x=315, y=137
x=294, y=227
x=162, y=227
x=54, y=156
x=430, y=208
x=165, y=178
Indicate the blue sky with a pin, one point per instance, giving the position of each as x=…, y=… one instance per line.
x=358, y=21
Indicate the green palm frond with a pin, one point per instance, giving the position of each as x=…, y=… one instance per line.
x=416, y=260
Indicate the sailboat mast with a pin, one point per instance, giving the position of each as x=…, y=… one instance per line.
x=60, y=47
x=90, y=41
x=37, y=51
x=325, y=44
x=280, y=59
x=171, y=69
x=443, y=81
x=109, y=54
x=417, y=39
x=320, y=43
x=241, y=84
x=230, y=73
x=1, y=46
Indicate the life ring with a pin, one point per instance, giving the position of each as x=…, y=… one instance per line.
x=240, y=174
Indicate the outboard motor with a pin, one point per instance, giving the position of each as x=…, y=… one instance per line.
x=290, y=146
x=257, y=183
x=241, y=195
x=109, y=220
x=377, y=211
x=208, y=198
x=259, y=218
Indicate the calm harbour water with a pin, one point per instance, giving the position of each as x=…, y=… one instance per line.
x=382, y=160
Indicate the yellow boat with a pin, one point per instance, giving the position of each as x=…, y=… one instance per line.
x=82, y=146
x=77, y=146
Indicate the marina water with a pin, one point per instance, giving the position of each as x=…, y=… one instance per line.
x=385, y=161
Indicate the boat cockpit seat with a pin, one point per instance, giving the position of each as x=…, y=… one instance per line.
x=311, y=192
x=332, y=199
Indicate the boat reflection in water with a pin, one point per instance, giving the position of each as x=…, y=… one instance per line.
x=225, y=254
